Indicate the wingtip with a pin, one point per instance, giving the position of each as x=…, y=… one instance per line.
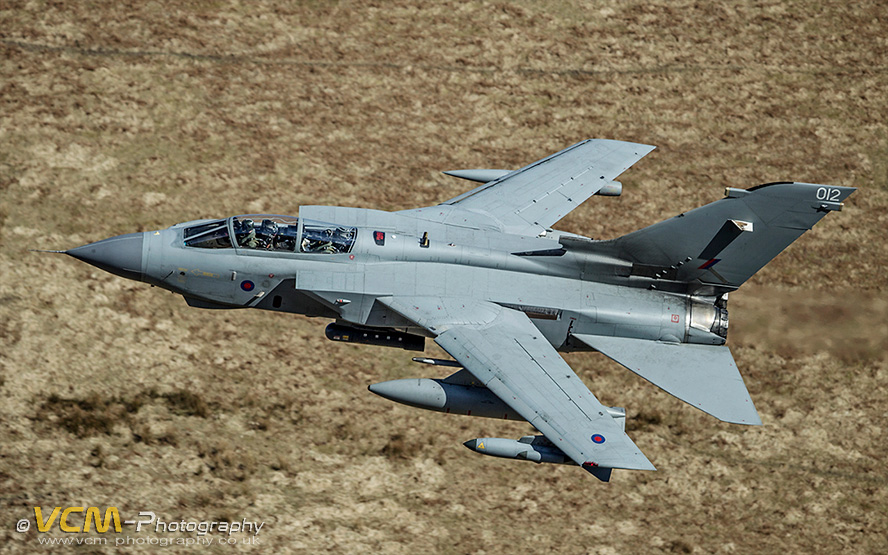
x=748, y=422
x=646, y=464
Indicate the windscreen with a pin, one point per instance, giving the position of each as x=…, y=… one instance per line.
x=212, y=235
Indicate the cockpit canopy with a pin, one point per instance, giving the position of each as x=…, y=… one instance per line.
x=276, y=233
x=272, y=233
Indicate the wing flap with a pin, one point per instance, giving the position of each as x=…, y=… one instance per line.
x=704, y=376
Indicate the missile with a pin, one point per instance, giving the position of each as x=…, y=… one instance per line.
x=529, y=448
x=368, y=336
x=446, y=396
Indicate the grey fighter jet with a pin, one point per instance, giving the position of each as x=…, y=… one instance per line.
x=488, y=279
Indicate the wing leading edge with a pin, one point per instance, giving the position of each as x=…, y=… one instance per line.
x=505, y=351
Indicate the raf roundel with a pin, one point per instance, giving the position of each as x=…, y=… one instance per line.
x=598, y=438
x=247, y=285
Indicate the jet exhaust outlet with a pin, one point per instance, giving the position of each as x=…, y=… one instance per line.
x=708, y=322
x=382, y=338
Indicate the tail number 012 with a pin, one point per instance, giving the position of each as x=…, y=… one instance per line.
x=832, y=195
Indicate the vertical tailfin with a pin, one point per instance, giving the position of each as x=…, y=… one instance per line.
x=724, y=243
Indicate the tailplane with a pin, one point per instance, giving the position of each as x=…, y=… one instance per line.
x=704, y=376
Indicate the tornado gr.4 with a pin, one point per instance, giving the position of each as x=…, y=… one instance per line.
x=487, y=277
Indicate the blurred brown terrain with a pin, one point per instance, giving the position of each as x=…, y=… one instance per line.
x=117, y=118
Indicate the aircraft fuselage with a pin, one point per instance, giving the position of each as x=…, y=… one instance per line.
x=563, y=292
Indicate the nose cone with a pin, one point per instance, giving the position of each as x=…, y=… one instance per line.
x=121, y=255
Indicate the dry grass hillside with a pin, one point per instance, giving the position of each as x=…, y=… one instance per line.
x=117, y=118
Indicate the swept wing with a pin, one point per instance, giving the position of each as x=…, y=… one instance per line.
x=530, y=200
x=506, y=352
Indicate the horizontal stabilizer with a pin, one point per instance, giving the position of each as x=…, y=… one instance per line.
x=704, y=376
